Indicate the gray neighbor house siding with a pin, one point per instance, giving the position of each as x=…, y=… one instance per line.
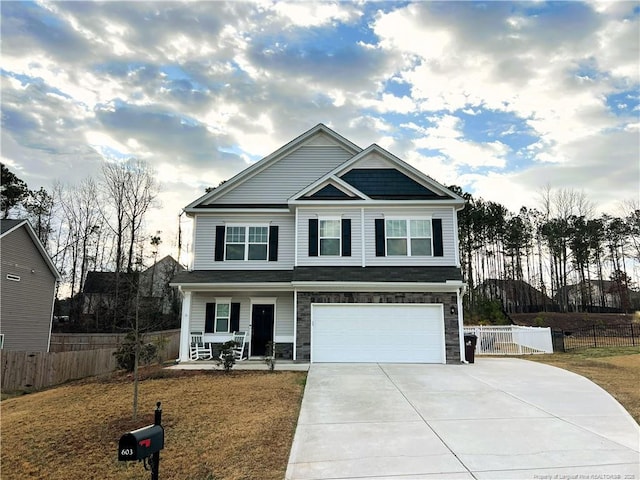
x=28, y=286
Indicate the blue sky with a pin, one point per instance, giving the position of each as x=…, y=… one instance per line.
x=500, y=98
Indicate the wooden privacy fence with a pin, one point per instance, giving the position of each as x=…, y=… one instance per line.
x=510, y=339
x=72, y=342
x=36, y=370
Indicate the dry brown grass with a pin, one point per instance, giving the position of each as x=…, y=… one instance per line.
x=217, y=426
x=617, y=370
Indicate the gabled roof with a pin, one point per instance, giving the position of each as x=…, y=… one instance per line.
x=8, y=226
x=105, y=282
x=396, y=180
x=272, y=158
x=388, y=183
x=331, y=188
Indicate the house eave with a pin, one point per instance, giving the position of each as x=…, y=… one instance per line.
x=235, y=209
x=379, y=203
x=231, y=287
x=448, y=286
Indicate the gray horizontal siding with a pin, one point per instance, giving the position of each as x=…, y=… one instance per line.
x=448, y=239
x=287, y=176
x=205, y=233
x=284, y=309
x=303, y=237
x=26, y=305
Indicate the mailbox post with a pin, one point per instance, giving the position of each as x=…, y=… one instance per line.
x=144, y=444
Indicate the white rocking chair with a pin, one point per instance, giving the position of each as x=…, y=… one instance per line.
x=241, y=339
x=200, y=350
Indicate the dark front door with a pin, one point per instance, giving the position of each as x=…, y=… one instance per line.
x=261, y=328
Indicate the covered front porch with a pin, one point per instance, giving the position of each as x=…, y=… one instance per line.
x=265, y=315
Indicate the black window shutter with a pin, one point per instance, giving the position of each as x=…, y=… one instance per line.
x=380, y=246
x=219, y=253
x=273, y=243
x=313, y=237
x=436, y=224
x=235, y=317
x=346, y=237
x=210, y=318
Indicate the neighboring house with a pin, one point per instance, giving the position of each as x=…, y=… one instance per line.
x=99, y=288
x=335, y=253
x=516, y=296
x=29, y=280
x=597, y=295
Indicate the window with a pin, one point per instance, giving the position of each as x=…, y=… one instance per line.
x=258, y=238
x=235, y=243
x=246, y=243
x=330, y=237
x=408, y=237
x=223, y=315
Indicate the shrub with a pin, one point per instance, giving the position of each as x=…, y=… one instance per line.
x=227, y=358
x=270, y=356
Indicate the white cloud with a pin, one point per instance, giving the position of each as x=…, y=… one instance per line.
x=315, y=14
x=448, y=138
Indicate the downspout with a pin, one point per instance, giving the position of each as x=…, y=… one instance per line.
x=295, y=248
x=460, y=294
x=363, y=250
x=56, y=285
x=295, y=324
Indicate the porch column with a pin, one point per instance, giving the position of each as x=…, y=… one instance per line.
x=185, y=328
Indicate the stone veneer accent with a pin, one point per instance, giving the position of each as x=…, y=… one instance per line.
x=448, y=299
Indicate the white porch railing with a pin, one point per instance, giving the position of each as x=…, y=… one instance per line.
x=511, y=339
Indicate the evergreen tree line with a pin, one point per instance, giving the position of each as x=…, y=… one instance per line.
x=558, y=256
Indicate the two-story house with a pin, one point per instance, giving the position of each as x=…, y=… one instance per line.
x=334, y=253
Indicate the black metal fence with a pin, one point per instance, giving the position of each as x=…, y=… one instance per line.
x=596, y=336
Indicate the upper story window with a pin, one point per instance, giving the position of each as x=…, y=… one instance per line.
x=246, y=242
x=408, y=237
x=330, y=237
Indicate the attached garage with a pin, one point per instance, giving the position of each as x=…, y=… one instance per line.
x=384, y=333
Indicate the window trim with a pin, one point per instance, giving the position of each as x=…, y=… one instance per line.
x=338, y=238
x=408, y=237
x=246, y=227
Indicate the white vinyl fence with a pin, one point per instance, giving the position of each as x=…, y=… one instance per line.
x=511, y=339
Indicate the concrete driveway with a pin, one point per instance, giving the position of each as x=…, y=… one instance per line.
x=499, y=418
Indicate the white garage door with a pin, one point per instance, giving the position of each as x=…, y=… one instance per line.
x=385, y=333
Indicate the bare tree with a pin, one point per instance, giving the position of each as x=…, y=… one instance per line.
x=140, y=193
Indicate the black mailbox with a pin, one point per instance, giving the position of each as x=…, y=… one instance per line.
x=141, y=443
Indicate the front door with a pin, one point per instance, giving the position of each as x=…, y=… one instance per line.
x=261, y=329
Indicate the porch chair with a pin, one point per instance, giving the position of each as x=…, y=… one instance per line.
x=200, y=350
x=241, y=339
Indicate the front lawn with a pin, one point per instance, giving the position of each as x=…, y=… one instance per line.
x=616, y=369
x=217, y=426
